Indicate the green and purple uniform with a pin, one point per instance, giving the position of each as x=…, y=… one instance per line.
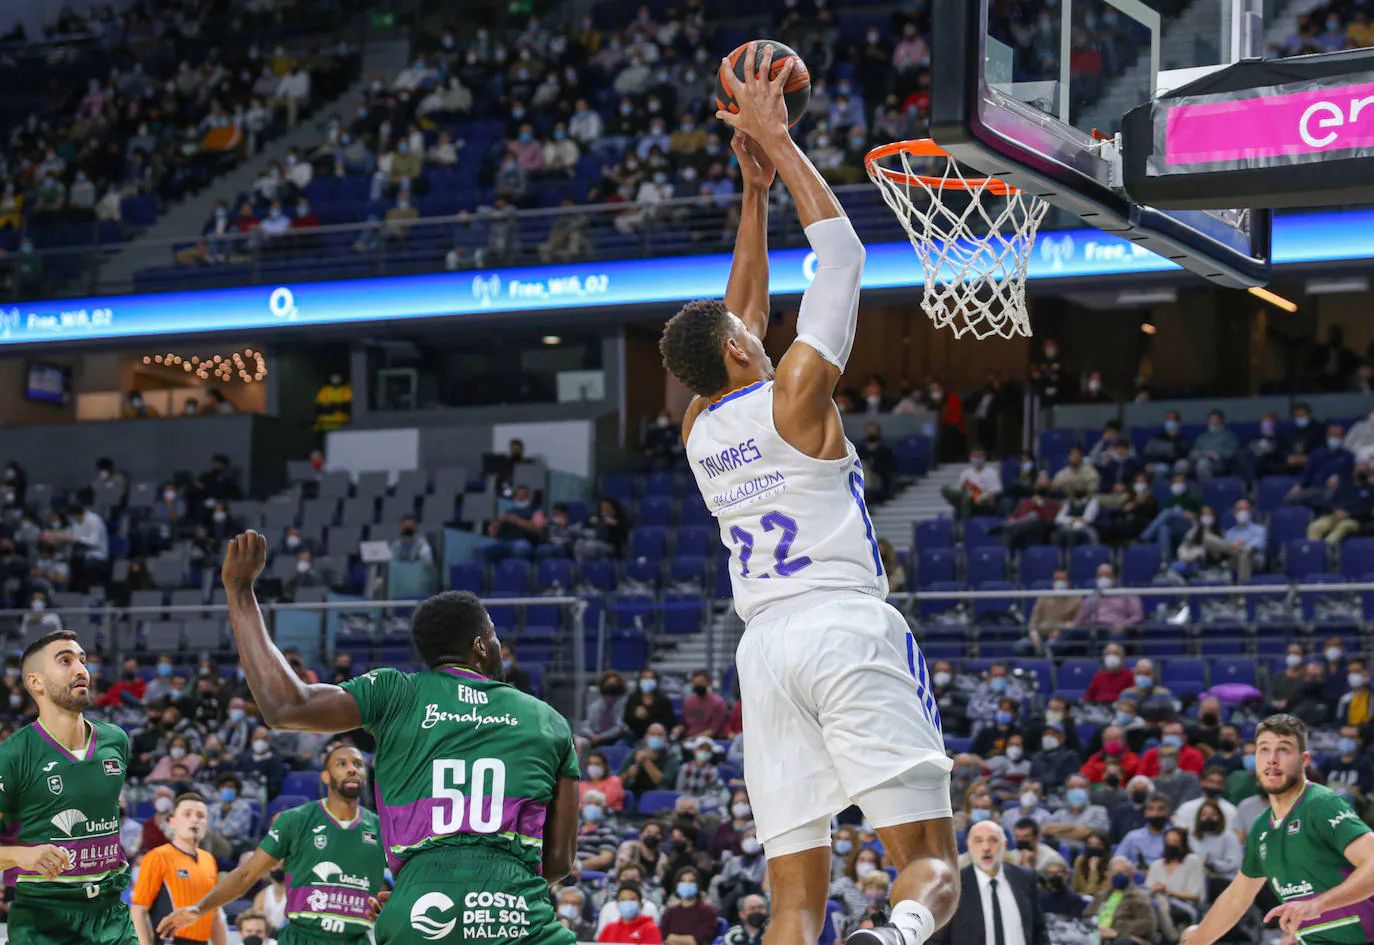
x=48, y=794
x=331, y=869
x=465, y=770
x=1303, y=856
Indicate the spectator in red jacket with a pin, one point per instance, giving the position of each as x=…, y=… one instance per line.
x=130, y=682
x=735, y=724
x=703, y=711
x=1189, y=758
x=1113, y=746
x=1109, y=682
x=634, y=927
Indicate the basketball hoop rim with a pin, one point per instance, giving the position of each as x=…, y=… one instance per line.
x=926, y=147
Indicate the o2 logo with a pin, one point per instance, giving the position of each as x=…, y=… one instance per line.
x=282, y=304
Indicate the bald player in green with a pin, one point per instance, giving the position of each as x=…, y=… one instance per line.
x=1311, y=848
x=60, y=780
x=476, y=782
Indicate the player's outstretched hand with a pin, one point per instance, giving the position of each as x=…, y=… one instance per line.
x=754, y=165
x=178, y=920
x=244, y=558
x=762, y=110
x=1291, y=915
x=48, y=861
x=375, y=903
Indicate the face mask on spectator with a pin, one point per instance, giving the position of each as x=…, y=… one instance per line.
x=236, y=715
x=1356, y=680
x=1168, y=764
x=569, y=911
x=1142, y=681
x=862, y=869
x=260, y=746
x=1111, y=661
x=177, y=752
x=1207, y=520
x=1121, y=882
x=1171, y=426
x=1174, y=740
x=704, y=756
x=750, y=846
x=302, y=567
x=686, y=890
x=1061, y=585
x=629, y=909
x=1334, y=654
x=978, y=815
x=654, y=742
x=592, y=813
x=1003, y=718
x=1243, y=517
x=998, y=683
x=1301, y=422
x=164, y=669
x=1248, y=762
x=1077, y=797
x=1029, y=800
x=293, y=541
x=1124, y=718
x=942, y=679
x=595, y=772
x=1054, y=716
x=1178, y=488
x=1014, y=752
x=1347, y=746
x=162, y=805
x=227, y=795
x=1049, y=743
x=1104, y=582
x=1141, y=488
x=843, y=846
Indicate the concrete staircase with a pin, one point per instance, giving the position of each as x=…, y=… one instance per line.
x=684, y=654
x=184, y=220
x=893, y=520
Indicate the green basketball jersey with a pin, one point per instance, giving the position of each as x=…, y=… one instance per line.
x=52, y=796
x=1304, y=855
x=331, y=867
x=462, y=759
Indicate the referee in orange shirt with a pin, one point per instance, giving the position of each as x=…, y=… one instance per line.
x=178, y=874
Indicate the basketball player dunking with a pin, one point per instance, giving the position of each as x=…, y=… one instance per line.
x=837, y=704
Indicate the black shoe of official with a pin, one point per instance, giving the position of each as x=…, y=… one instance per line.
x=881, y=935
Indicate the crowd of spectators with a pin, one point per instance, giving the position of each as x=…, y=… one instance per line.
x=155, y=105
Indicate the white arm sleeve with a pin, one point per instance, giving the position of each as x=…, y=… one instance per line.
x=830, y=307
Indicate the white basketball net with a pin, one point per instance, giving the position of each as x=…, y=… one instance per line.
x=974, y=250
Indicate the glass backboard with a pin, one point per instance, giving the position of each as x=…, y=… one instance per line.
x=1033, y=91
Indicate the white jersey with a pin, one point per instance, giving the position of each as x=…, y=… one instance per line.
x=796, y=527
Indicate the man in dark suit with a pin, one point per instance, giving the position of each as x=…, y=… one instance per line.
x=998, y=901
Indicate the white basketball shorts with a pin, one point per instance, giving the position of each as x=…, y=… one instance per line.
x=838, y=710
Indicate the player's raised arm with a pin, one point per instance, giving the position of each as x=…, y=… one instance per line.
x=287, y=703
x=231, y=887
x=746, y=294
x=1226, y=911
x=805, y=384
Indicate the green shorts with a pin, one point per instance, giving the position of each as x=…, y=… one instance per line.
x=469, y=896
x=33, y=923
x=295, y=934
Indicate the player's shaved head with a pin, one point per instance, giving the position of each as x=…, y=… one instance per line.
x=453, y=628
x=345, y=772
x=35, y=649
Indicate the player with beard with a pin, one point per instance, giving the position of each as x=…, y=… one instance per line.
x=332, y=853
x=1312, y=849
x=476, y=781
x=60, y=780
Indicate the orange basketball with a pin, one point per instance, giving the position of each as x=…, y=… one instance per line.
x=797, y=92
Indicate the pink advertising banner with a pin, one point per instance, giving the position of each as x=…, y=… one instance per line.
x=1287, y=122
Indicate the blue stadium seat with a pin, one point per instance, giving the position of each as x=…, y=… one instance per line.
x=994, y=609
x=934, y=533
x=978, y=534
x=467, y=577
x=1302, y=557
x=1084, y=562
x=1058, y=440
x=1140, y=563
x=1043, y=671
x=683, y=569
x=598, y=573
x=578, y=511
x=648, y=542
x=1038, y=563
x=1184, y=676
x=1223, y=492
x=1271, y=490
x=1357, y=556
x=1073, y=678
x=632, y=613
x=682, y=616
x=1160, y=645
x=645, y=571
x=511, y=576
x=664, y=484
x=987, y=564
x=694, y=542
x=619, y=486
x=1288, y=523
x=694, y=511
x=302, y=783
x=655, y=511
x=913, y=455
x=651, y=802
x=287, y=801
x=1233, y=671
x=553, y=572
x=935, y=565
x=929, y=608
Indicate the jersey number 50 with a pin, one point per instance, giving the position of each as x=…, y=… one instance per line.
x=488, y=781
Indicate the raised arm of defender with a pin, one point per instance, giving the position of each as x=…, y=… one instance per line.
x=804, y=388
